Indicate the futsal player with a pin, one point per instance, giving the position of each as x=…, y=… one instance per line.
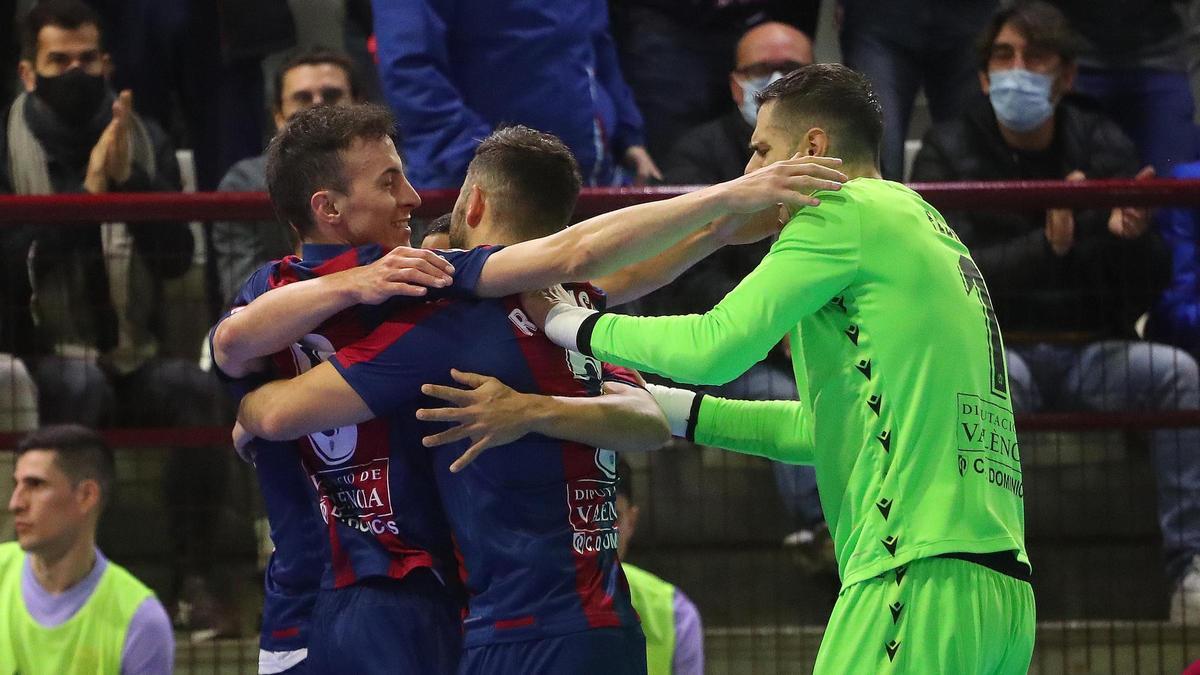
x=535, y=529
x=273, y=321
x=384, y=554
x=904, y=402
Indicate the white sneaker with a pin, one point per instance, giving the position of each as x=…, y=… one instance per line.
x=1185, y=603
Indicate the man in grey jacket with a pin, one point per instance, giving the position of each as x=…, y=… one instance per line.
x=306, y=78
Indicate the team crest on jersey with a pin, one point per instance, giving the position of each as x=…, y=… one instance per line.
x=333, y=446
x=606, y=460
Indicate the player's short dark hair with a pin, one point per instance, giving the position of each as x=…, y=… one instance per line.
x=306, y=155
x=837, y=98
x=80, y=452
x=316, y=56
x=1041, y=24
x=66, y=14
x=625, y=480
x=534, y=175
x=439, y=225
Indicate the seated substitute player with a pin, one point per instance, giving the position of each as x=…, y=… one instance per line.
x=546, y=589
x=356, y=201
x=64, y=607
x=904, y=401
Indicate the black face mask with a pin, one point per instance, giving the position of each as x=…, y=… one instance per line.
x=74, y=96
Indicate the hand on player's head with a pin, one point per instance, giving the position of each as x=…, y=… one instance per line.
x=402, y=271
x=790, y=182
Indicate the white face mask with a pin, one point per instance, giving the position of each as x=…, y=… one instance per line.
x=750, y=89
x=1020, y=98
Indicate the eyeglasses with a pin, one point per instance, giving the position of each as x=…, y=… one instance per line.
x=329, y=96
x=765, y=68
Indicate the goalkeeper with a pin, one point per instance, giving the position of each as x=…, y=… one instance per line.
x=903, y=408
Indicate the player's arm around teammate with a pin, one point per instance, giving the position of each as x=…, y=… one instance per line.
x=605, y=244
x=491, y=414
x=625, y=418
x=278, y=318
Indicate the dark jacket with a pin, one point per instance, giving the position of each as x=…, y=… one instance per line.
x=165, y=248
x=1104, y=283
x=713, y=152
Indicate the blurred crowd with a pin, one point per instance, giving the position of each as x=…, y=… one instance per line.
x=103, y=324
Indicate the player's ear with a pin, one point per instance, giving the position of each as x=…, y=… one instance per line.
x=815, y=143
x=476, y=204
x=87, y=495
x=325, y=207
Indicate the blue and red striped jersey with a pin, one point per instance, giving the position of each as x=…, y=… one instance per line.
x=351, y=503
x=534, y=522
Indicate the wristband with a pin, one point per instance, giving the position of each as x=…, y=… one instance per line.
x=676, y=404
x=563, y=322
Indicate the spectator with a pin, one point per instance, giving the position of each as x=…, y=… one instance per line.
x=715, y=152
x=93, y=287
x=691, y=45
x=1082, y=277
x=454, y=71
x=1176, y=316
x=88, y=613
x=199, y=64
x=305, y=78
x=671, y=622
x=1132, y=62
x=906, y=45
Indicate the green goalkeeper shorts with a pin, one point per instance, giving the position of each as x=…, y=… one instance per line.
x=935, y=615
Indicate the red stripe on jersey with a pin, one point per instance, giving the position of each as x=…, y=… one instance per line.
x=622, y=374
x=285, y=633
x=519, y=622
x=291, y=270
x=343, y=570
x=387, y=333
x=549, y=366
x=286, y=272
x=462, y=576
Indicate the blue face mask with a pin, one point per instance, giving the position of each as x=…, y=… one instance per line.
x=1021, y=98
x=750, y=89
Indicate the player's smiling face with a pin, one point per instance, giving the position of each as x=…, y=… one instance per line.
x=379, y=203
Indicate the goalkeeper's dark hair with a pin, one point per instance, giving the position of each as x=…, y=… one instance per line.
x=835, y=98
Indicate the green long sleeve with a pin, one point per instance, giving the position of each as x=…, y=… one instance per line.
x=778, y=430
x=815, y=258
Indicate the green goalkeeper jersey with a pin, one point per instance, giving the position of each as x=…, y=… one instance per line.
x=904, y=405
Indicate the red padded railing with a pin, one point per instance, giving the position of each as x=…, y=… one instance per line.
x=976, y=196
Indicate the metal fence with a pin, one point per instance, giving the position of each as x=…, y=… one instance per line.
x=731, y=531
